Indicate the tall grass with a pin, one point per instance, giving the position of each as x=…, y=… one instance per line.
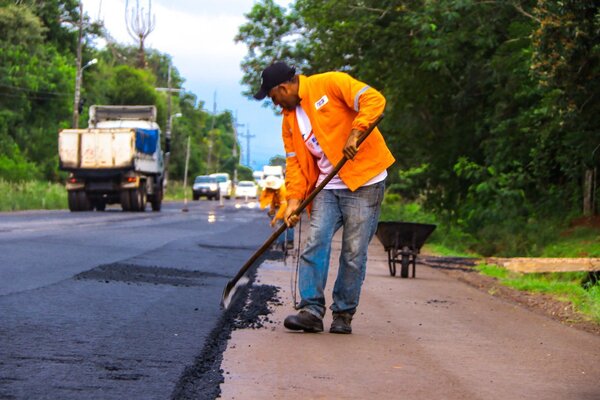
x=566, y=286
x=175, y=191
x=31, y=195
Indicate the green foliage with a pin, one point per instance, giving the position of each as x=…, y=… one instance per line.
x=131, y=86
x=575, y=242
x=278, y=161
x=35, y=97
x=566, y=287
x=448, y=238
x=491, y=106
x=175, y=191
x=493, y=270
x=31, y=194
x=244, y=173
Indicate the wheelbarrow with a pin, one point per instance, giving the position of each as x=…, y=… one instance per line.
x=403, y=241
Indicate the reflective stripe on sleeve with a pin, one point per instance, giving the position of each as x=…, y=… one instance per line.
x=290, y=154
x=361, y=91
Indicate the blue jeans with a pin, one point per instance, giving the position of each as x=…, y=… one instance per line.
x=358, y=213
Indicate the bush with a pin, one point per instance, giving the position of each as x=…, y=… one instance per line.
x=32, y=195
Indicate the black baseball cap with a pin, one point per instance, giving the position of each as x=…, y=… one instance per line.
x=272, y=76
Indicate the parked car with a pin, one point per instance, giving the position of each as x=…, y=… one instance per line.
x=225, y=185
x=205, y=185
x=246, y=189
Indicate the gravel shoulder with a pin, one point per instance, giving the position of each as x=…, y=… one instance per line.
x=547, y=305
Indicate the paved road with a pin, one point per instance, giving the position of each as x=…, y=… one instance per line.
x=114, y=305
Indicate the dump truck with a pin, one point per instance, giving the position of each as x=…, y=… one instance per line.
x=117, y=159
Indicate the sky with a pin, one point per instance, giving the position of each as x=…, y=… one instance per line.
x=198, y=35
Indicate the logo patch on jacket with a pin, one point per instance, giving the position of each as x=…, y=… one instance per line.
x=321, y=102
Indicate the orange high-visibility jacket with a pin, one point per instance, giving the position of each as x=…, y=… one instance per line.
x=275, y=199
x=335, y=103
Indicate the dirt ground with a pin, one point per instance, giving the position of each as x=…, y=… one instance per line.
x=539, y=303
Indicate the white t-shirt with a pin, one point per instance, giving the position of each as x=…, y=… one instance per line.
x=325, y=166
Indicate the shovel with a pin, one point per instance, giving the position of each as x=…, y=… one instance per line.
x=231, y=287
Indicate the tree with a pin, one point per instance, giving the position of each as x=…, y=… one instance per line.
x=35, y=90
x=139, y=26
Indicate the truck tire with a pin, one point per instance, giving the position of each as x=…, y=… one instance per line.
x=100, y=205
x=72, y=200
x=125, y=204
x=157, y=200
x=137, y=199
x=83, y=202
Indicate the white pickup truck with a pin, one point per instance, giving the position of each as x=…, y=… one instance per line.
x=118, y=159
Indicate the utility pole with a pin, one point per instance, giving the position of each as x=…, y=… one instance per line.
x=234, y=151
x=185, y=174
x=78, y=70
x=248, y=136
x=169, y=90
x=210, y=140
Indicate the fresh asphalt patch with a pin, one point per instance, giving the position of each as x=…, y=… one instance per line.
x=131, y=273
x=249, y=309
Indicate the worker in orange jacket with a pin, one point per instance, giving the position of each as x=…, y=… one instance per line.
x=274, y=196
x=323, y=117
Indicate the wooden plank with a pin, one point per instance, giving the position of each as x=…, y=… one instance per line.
x=529, y=265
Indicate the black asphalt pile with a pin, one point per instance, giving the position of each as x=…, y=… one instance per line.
x=256, y=311
x=249, y=309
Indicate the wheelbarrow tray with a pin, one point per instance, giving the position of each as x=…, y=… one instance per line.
x=403, y=241
x=395, y=234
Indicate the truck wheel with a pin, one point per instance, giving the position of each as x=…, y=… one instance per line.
x=195, y=197
x=83, y=202
x=72, y=200
x=137, y=199
x=143, y=198
x=100, y=205
x=157, y=200
x=125, y=204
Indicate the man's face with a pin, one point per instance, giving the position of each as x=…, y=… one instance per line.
x=283, y=96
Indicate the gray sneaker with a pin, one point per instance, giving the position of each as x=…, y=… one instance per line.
x=304, y=321
x=341, y=323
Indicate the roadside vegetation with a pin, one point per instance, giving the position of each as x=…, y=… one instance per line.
x=32, y=195
x=576, y=239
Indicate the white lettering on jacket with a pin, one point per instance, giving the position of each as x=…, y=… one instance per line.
x=321, y=102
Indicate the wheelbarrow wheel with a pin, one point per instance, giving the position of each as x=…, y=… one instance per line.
x=391, y=263
x=405, y=265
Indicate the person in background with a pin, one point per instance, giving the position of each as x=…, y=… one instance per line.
x=274, y=196
x=323, y=117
